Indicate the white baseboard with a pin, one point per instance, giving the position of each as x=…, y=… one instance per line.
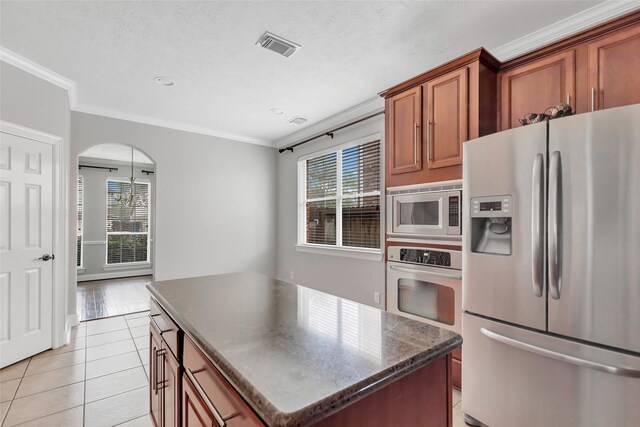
x=72, y=320
x=113, y=275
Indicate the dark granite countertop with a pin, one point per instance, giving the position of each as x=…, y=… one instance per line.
x=295, y=354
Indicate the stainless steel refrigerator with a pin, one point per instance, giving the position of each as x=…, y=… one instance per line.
x=551, y=273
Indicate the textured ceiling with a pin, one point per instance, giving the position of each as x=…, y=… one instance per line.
x=224, y=83
x=117, y=152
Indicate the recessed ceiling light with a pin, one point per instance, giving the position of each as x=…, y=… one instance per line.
x=163, y=81
x=276, y=111
x=298, y=120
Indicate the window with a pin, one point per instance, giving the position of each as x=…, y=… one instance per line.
x=80, y=223
x=340, y=197
x=127, y=226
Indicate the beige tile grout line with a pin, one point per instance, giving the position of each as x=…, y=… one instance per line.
x=16, y=392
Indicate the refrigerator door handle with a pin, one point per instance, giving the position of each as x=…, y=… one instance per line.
x=537, y=224
x=615, y=370
x=554, y=239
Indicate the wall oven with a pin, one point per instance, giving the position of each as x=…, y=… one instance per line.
x=425, y=212
x=426, y=284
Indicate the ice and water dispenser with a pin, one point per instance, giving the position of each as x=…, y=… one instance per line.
x=491, y=224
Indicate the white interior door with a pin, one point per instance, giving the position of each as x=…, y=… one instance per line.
x=26, y=235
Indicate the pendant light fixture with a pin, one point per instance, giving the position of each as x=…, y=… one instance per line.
x=130, y=198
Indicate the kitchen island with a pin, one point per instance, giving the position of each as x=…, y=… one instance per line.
x=246, y=349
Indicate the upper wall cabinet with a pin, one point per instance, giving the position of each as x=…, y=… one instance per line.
x=430, y=116
x=535, y=86
x=592, y=70
x=403, y=128
x=614, y=69
x=446, y=100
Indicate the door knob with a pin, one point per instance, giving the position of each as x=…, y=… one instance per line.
x=47, y=257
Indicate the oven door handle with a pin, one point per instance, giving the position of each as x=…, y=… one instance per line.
x=411, y=270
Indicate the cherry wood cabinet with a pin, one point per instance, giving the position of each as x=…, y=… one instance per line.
x=593, y=70
x=614, y=69
x=430, y=116
x=536, y=86
x=403, y=131
x=164, y=369
x=446, y=100
x=194, y=409
x=209, y=397
x=171, y=385
x=456, y=368
x=155, y=394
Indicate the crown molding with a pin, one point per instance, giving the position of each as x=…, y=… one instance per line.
x=373, y=105
x=584, y=20
x=10, y=57
x=154, y=121
x=18, y=61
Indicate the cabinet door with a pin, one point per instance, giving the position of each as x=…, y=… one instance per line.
x=536, y=86
x=404, y=145
x=155, y=371
x=194, y=410
x=614, y=69
x=446, y=118
x=170, y=389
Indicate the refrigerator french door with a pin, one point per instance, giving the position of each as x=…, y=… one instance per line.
x=551, y=290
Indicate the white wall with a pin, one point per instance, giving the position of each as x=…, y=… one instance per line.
x=34, y=103
x=95, y=214
x=350, y=278
x=216, y=199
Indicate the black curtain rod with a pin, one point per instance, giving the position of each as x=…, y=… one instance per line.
x=329, y=133
x=97, y=167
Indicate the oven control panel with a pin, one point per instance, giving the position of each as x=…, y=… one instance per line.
x=425, y=256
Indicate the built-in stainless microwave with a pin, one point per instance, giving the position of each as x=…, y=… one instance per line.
x=431, y=212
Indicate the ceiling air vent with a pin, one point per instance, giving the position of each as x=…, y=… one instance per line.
x=277, y=44
x=298, y=120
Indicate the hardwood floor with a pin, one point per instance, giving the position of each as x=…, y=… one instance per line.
x=113, y=297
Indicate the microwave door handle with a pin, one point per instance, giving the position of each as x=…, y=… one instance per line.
x=554, y=239
x=537, y=225
x=413, y=271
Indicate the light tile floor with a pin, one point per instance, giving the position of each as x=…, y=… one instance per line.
x=99, y=379
x=458, y=415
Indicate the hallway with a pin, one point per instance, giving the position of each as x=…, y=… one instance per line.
x=112, y=297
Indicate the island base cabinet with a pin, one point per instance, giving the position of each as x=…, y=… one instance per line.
x=422, y=399
x=208, y=399
x=194, y=410
x=155, y=347
x=164, y=369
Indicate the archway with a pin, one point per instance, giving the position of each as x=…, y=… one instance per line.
x=115, y=234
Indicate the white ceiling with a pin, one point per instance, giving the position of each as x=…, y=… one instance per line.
x=117, y=152
x=224, y=83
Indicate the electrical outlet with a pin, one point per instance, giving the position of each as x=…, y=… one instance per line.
x=291, y=275
x=376, y=297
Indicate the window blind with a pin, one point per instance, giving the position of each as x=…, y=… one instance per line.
x=80, y=211
x=342, y=197
x=127, y=226
x=361, y=196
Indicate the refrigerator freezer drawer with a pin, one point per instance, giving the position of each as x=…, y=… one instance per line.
x=514, y=376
